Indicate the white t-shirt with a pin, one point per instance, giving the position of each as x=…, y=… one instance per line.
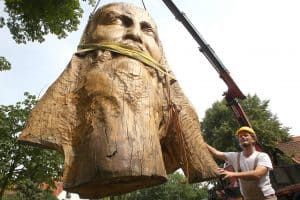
x=247, y=164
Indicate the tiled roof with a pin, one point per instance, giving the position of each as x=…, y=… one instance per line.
x=296, y=138
x=291, y=148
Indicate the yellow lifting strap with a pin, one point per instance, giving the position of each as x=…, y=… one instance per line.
x=127, y=51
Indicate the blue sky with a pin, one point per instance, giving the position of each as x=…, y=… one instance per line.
x=257, y=40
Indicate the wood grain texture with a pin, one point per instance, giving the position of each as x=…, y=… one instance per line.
x=109, y=116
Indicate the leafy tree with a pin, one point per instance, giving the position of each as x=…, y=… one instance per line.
x=32, y=20
x=30, y=190
x=19, y=163
x=174, y=189
x=219, y=125
x=4, y=64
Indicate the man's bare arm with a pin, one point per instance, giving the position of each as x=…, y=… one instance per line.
x=247, y=175
x=216, y=153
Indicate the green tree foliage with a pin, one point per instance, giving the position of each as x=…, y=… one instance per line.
x=175, y=189
x=23, y=165
x=31, y=20
x=4, y=64
x=2, y=23
x=219, y=125
x=29, y=190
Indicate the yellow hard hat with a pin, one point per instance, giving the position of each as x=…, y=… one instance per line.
x=247, y=129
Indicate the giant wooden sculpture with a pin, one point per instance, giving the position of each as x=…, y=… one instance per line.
x=117, y=113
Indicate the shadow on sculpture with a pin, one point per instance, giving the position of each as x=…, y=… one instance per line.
x=117, y=113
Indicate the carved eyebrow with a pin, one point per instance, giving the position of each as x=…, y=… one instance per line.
x=105, y=15
x=109, y=12
x=145, y=24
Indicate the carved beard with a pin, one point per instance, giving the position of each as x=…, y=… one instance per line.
x=120, y=79
x=120, y=103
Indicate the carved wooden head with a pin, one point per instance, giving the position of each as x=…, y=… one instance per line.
x=127, y=24
x=108, y=113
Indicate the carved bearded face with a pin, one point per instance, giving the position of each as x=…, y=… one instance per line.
x=127, y=24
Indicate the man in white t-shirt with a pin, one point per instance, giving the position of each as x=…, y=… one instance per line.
x=251, y=167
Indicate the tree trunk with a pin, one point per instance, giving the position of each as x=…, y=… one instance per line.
x=110, y=120
x=8, y=176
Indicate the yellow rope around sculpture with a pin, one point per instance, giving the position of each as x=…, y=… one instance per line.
x=127, y=51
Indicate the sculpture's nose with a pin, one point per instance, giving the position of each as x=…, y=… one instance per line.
x=134, y=33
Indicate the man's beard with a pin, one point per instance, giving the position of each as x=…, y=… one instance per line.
x=245, y=144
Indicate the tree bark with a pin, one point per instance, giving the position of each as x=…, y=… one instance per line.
x=8, y=176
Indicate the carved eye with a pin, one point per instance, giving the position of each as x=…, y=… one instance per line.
x=112, y=18
x=115, y=20
x=147, y=28
x=127, y=21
